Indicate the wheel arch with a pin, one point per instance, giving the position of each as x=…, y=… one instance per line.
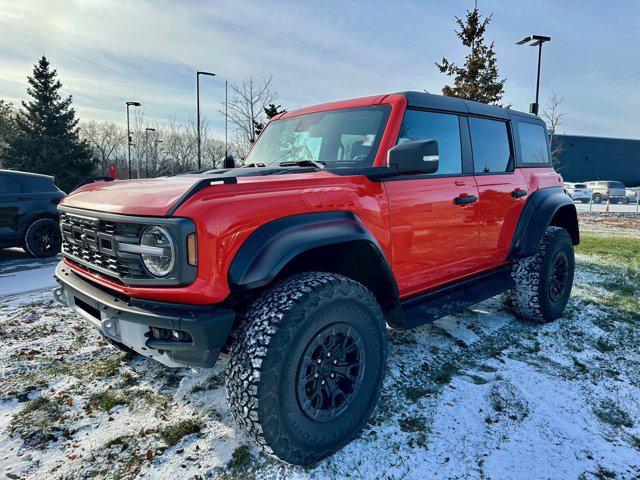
x=545, y=207
x=335, y=242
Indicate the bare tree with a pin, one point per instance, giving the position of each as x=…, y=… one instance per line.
x=554, y=117
x=246, y=106
x=106, y=140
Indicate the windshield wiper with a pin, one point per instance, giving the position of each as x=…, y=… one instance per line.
x=302, y=163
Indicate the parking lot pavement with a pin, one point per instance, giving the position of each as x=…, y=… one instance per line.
x=20, y=272
x=600, y=207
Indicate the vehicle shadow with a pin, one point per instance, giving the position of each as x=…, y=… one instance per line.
x=15, y=258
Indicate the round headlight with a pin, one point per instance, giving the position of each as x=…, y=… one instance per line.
x=161, y=263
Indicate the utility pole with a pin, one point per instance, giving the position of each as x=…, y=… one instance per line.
x=130, y=104
x=536, y=41
x=198, y=73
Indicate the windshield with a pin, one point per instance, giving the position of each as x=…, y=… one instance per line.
x=336, y=138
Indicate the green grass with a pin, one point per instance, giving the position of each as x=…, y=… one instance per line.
x=612, y=414
x=106, y=400
x=174, y=433
x=211, y=383
x=37, y=422
x=612, y=250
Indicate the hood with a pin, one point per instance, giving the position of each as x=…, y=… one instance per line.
x=156, y=196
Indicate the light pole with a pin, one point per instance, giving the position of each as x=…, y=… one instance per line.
x=536, y=41
x=146, y=144
x=130, y=104
x=198, y=73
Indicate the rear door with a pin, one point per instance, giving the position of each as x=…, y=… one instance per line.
x=434, y=239
x=502, y=188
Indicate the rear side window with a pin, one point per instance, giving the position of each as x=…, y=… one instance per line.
x=8, y=184
x=491, y=147
x=533, y=143
x=37, y=184
x=443, y=128
x=616, y=185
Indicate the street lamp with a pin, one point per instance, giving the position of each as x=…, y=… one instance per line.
x=146, y=144
x=130, y=104
x=198, y=73
x=536, y=41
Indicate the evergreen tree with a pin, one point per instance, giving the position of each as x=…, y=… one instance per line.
x=478, y=79
x=47, y=138
x=270, y=111
x=7, y=128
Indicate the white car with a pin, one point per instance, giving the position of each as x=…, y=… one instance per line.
x=579, y=192
x=632, y=195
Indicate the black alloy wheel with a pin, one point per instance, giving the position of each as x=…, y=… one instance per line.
x=330, y=372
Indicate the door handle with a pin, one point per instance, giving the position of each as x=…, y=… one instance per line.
x=517, y=193
x=464, y=198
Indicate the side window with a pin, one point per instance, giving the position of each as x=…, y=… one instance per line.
x=36, y=185
x=490, y=144
x=533, y=143
x=443, y=128
x=8, y=184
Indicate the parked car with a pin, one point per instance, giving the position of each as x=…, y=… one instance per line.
x=28, y=213
x=632, y=195
x=396, y=209
x=579, y=192
x=603, y=190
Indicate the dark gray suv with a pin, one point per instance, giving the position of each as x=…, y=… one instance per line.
x=28, y=213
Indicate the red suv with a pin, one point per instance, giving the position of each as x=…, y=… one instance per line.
x=345, y=218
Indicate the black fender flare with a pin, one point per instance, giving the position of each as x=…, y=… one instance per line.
x=537, y=215
x=271, y=246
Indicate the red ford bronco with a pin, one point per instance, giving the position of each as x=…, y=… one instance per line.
x=346, y=217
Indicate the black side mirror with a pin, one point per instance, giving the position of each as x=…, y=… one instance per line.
x=228, y=161
x=419, y=156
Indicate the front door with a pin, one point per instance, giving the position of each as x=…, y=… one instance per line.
x=434, y=237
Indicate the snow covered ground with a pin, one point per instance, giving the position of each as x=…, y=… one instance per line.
x=476, y=395
x=21, y=273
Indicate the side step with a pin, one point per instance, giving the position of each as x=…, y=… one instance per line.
x=430, y=306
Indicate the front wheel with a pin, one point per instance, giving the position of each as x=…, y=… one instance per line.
x=43, y=238
x=307, y=367
x=543, y=282
x=597, y=198
x=625, y=200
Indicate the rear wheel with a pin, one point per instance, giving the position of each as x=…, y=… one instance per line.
x=625, y=200
x=307, y=367
x=43, y=238
x=613, y=200
x=597, y=198
x=544, y=281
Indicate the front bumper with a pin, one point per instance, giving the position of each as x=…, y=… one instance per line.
x=203, y=330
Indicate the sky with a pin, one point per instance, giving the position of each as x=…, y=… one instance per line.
x=108, y=51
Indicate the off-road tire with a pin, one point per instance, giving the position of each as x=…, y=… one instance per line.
x=42, y=238
x=263, y=372
x=533, y=297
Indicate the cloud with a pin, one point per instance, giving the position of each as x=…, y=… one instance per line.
x=107, y=52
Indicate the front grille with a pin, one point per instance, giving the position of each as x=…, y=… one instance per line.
x=92, y=241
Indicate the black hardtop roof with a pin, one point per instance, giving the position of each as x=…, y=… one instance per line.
x=453, y=104
x=27, y=174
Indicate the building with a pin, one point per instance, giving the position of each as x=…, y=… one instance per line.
x=598, y=158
